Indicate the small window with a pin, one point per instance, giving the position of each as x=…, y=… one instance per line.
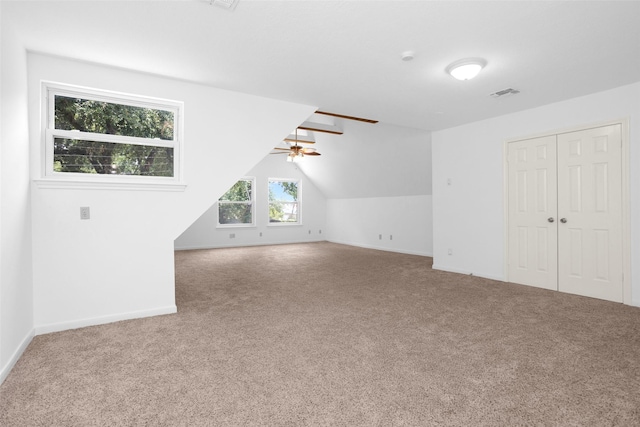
x=284, y=201
x=236, y=206
x=98, y=135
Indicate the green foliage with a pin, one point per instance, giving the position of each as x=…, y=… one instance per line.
x=71, y=155
x=278, y=211
x=234, y=207
x=240, y=192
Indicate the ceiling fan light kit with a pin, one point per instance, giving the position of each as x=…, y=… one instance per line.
x=466, y=69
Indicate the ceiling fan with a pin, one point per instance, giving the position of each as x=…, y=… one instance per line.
x=296, y=152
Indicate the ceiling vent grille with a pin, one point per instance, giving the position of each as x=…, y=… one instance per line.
x=504, y=92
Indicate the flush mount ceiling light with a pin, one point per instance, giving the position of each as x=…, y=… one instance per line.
x=466, y=69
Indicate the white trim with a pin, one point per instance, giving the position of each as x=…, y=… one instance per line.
x=105, y=137
x=100, y=320
x=48, y=133
x=252, y=244
x=467, y=273
x=382, y=248
x=77, y=184
x=298, y=203
x=626, y=207
x=252, y=202
x=6, y=369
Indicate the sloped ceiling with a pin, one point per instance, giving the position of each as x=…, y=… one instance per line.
x=345, y=57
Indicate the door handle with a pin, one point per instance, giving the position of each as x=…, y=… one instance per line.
x=551, y=219
x=563, y=220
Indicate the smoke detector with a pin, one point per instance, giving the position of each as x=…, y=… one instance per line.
x=504, y=92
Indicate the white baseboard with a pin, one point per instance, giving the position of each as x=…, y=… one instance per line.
x=4, y=372
x=231, y=245
x=382, y=248
x=92, y=321
x=467, y=273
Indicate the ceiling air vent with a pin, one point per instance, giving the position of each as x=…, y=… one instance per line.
x=504, y=92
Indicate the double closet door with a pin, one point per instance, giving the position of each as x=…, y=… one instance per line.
x=565, y=212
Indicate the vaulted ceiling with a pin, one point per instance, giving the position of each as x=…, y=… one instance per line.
x=345, y=56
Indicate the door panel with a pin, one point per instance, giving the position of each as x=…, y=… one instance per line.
x=589, y=199
x=532, y=201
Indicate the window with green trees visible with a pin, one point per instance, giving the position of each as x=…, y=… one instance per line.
x=235, y=207
x=284, y=201
x=92, y=133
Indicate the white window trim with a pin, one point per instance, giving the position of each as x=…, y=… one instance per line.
x=253, y=207
x=299, y=201
x=51, y=179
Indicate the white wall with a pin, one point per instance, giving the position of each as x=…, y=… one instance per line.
x=405, y=223
x=468, y=215
x=16, y=297
x=372, y=160
x=204, y=234
x=119, y=264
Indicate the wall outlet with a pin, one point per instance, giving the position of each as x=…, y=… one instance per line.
x=319, y=231
x=309, y=231
x=85, y=212
x=232, y=235
x=390, y=236
x=450, y=251
x=261, y=234
x=379, y=236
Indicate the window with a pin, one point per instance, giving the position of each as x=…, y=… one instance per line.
x=235, y=207
x=103, y=136
x=284, y=201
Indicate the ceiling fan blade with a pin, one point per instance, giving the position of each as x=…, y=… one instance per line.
x=283, y=149
x=308, y=150
x=342, y=116
x=313, y=153
x=280, y=152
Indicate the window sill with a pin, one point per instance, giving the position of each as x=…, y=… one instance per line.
x=104, y=185
x=222, y=226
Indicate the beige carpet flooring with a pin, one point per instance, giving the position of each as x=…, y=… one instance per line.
x=323, y=334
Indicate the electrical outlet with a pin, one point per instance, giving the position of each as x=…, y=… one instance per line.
x=261, y=234
x=319, y=231
x=85, y=212
x=390, y=236
x=450, y=251
x=232, y=235
x=309, y=231
x=379, y=236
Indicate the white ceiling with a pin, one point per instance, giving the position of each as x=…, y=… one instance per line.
x=344, y=56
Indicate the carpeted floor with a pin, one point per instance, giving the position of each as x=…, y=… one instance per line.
x=323, y=334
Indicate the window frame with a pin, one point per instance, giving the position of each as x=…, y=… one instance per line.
x=298, y=202
x=50, y=177
x=252, y=202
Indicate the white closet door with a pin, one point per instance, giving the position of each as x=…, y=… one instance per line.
x=532, y=212
x=590, y=213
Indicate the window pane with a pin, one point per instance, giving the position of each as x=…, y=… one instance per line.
x=114, y=119
x=71, y=155
x=283, y=201
x=234, y=213
x=240, y=192
x=283, y=212
x=283, y=190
